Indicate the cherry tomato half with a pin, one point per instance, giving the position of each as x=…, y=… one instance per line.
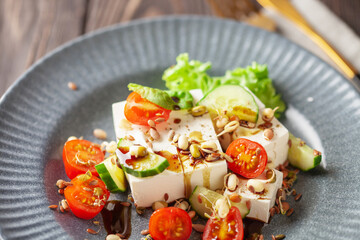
x=86, y=196
x=79, y=156
x=170, y=224
x=228, y=228
x=249, y=157
x=139, y=111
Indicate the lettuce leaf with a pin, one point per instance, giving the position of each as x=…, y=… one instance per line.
x=187, y=75
x=183, y=99
x=154, y=95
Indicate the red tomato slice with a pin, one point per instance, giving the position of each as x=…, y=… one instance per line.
x=139, y=111
x=79, y=156
x=170, y=224
x=87, y=196
x=249, y=157
x=228, y=228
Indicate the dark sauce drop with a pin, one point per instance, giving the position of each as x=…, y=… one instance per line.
x=117, y=218
x=252, y=228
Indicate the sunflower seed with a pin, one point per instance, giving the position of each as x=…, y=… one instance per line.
x=112, y=237
x=72, y=86
x=145, y=232
x=159, y=120
x=154, y=134
x=99, y=133
x=171, y=135
x=297, y=198
x=192, y=214
x=91, y=231
x=151, y=123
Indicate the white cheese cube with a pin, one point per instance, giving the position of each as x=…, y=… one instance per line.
x=176, y=184
x=276, y=148
x=260, y=203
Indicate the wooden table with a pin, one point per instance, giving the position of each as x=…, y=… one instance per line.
x=31, y=28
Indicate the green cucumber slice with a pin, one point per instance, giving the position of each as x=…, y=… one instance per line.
x=124, y=144
x=301, y=155
x=147, y=166
x=150, y=165
x=242, y=206
x=208, y=198
x=112, y=175
x=235, y=99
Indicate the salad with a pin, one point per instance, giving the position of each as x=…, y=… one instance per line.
x=207, y=148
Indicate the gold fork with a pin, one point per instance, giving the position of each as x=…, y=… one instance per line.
x=287, y=9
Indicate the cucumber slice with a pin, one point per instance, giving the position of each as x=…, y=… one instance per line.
x=301, y=155
x=242, y=206
x=147, y=166
x=235, y=99
x=124, y=144
x=205, y=204
x=208, y=198
x=112, y=175
x=150, y=165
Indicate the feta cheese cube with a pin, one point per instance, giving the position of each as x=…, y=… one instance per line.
x=276, y=148
x=260, y=203
x=178, y=180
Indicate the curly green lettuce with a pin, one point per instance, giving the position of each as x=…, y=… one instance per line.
x=183, y=99
x=187, y=75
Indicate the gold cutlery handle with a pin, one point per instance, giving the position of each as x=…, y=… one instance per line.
x=286, y=8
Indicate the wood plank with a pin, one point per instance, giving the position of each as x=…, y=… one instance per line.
x=105, y=13
x=347, y=10
x=31, y=28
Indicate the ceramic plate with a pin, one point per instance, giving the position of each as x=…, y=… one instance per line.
x=39, y=113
